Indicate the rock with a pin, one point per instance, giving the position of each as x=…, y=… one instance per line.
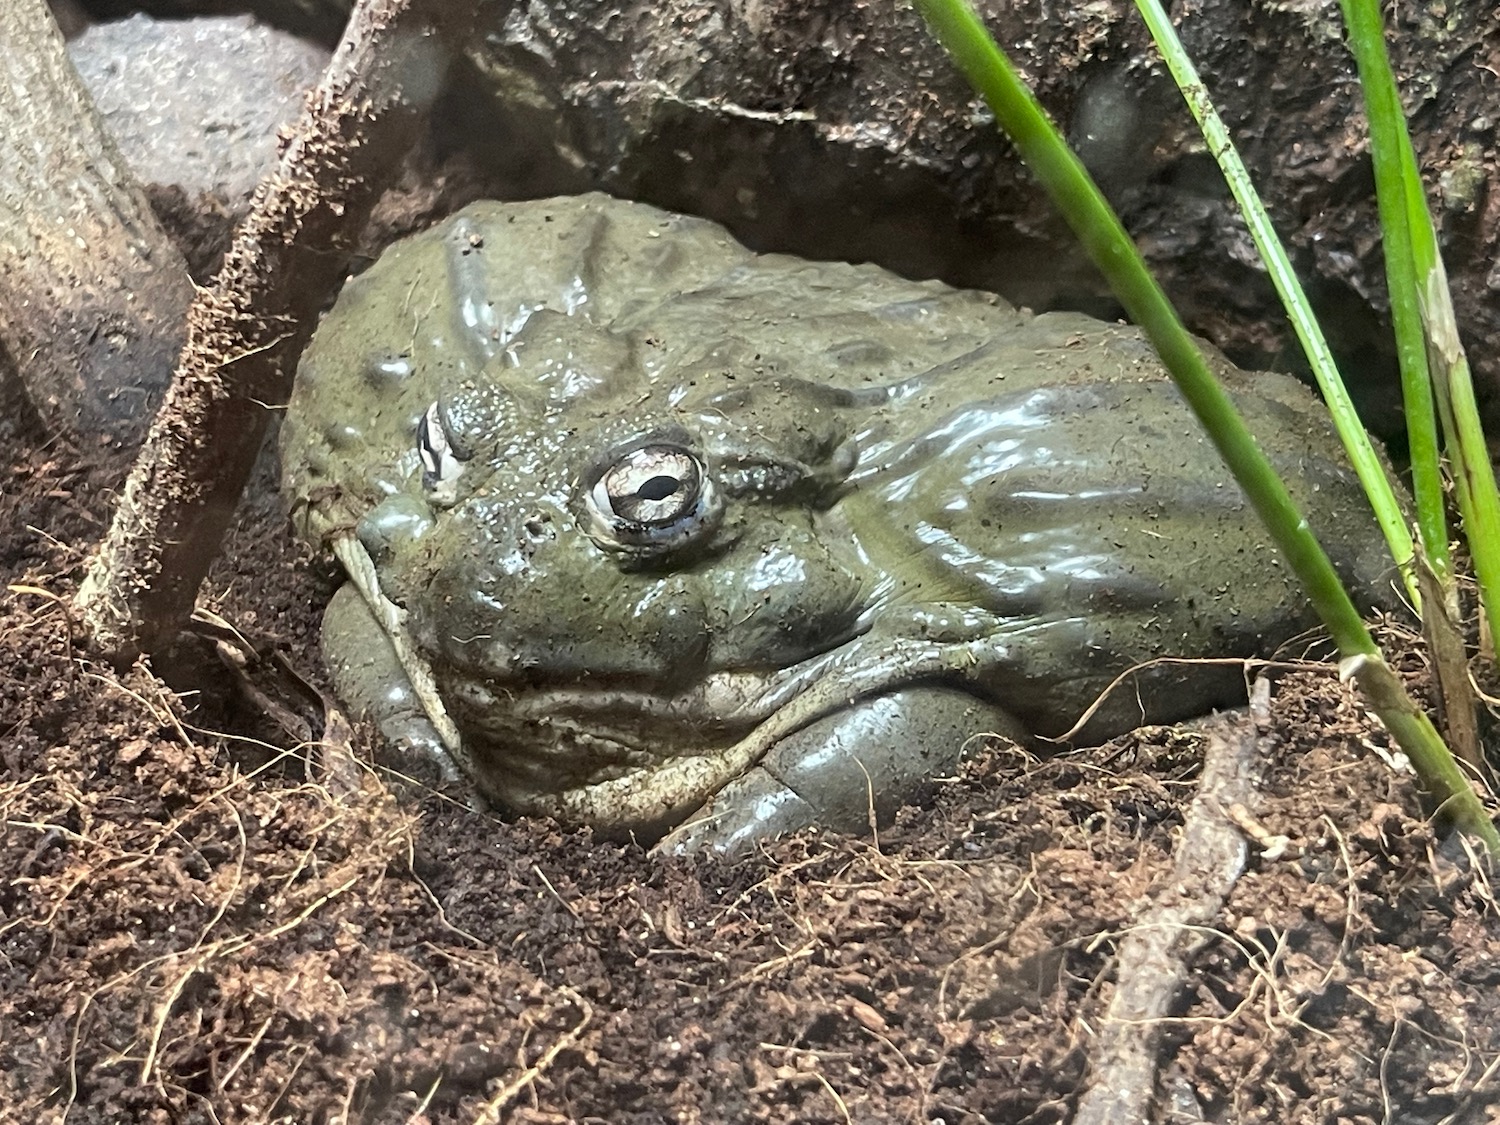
x=194, y=106
x=836, y=130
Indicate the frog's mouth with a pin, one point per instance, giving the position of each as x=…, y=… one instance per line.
x=625, y=758
x=651, y=784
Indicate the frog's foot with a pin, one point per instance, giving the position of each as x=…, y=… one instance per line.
x=844, y=770
x=368, y=676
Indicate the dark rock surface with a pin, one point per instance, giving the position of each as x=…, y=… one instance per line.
x=841, y=131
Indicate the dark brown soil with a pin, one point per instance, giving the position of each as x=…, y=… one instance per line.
x=232, y=927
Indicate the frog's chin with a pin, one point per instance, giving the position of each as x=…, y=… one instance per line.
x=618, y=758
x=632, y=760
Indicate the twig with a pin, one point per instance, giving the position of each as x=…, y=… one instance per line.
x=490, y=1114
x=1153, y=959
x=247, y=330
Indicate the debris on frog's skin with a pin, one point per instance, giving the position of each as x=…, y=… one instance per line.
x=361, y=570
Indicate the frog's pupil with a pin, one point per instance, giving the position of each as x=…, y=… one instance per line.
x=658, y=488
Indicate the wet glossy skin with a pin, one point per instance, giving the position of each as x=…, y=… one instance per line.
x=676, y=509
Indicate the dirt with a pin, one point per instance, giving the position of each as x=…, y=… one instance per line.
x=208, y=919
x=217, y=908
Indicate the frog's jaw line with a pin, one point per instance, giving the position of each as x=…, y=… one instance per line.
x=657, y=795
x=360, y=567
x=666, y=794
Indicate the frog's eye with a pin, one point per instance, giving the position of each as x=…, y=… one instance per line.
x=441, y=461
x=651, y=499
x=654, y=486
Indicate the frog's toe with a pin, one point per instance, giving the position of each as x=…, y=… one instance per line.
x=753, y=807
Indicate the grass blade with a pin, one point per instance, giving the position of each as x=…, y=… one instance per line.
x=1367, y=464
x=1417, y=281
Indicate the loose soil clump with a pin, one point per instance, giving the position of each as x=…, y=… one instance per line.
x=206, y=918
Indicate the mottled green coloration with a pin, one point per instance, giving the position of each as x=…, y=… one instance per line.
x=701, y=509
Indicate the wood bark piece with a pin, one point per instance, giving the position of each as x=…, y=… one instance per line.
x=92, y=291
x=246, y=331
x=1154, y=957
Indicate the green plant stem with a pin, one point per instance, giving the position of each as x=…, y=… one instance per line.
x=1397, y=179
x=1367, y=464
x=1388, y=138
x=1063, y=176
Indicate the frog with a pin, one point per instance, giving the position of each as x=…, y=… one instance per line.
x=699, y=545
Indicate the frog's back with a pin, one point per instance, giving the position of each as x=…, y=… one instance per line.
x=684, y=304
x=1087, y=513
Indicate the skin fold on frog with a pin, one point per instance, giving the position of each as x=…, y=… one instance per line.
x=703, y=541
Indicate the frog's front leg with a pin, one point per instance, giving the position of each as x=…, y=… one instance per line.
x=871, y=756
x=368, y=677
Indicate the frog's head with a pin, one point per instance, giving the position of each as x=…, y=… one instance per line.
x=593, y=530
x=595, y=452
x=606, y=570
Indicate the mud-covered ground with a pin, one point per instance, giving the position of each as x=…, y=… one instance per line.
x=205, y=921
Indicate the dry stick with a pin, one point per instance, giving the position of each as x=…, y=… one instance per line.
x=92, y=291
x=1153, y=958
x=493, y=1110
x=247, y=330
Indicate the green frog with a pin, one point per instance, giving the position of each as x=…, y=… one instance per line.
x=662, y=535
